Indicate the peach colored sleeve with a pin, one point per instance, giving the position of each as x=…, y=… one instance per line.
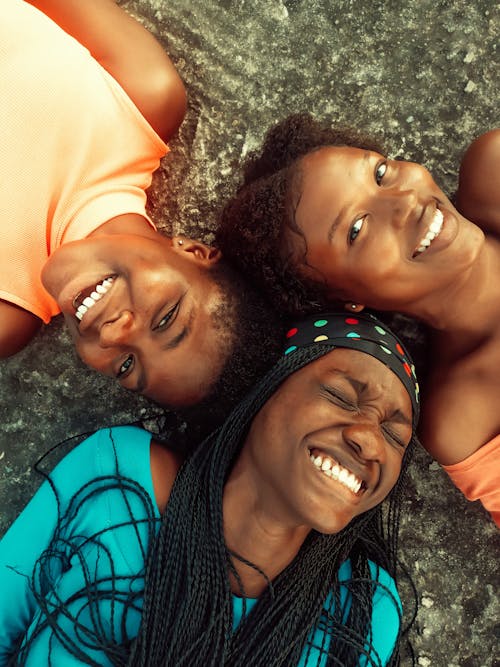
x=478, y=477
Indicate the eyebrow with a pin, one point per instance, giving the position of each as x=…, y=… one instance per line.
x=142, y=381
x=396, y=416
x=333, y=227
x=400, y=417
x=358, y=386
x=335, y=224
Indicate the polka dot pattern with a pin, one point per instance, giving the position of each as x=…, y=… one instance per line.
x=364, y=333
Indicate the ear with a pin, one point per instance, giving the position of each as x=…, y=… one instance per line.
x=354, y=307
x=196, y=250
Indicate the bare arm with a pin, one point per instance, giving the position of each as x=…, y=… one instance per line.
x=478, y=196
x=17, y=328
x=129, y=53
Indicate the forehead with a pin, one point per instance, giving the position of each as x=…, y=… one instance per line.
x=363, y=372
x=328, y=180
x=339, y=162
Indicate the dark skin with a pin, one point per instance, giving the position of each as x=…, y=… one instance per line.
x=346, y=406
x=461, y=412
x=365, y=221
x=146, y=74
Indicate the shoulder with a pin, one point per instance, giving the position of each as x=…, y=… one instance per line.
x=127, y=451
x=478, y=196
x=164, y=468
x=120, y=450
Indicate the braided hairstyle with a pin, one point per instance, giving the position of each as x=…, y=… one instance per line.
x=187, y=612
x=254, y=223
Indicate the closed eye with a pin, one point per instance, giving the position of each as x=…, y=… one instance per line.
x=340, y=399
x=394, y=438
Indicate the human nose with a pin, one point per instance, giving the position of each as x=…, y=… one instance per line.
x=118, y=330
x=366, y=440
x=399, y=205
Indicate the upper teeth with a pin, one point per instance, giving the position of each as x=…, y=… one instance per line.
x=433, y=231
x=334, y=470
x=89, y=301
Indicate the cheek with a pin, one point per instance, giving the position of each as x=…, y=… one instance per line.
x=94, y=358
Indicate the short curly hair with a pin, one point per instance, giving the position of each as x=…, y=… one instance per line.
x=253, y=225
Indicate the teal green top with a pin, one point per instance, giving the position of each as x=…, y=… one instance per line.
x=119, y=553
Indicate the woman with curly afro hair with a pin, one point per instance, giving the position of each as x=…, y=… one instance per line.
x=324, y=217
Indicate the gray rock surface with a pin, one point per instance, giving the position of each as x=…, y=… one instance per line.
x=422, y=74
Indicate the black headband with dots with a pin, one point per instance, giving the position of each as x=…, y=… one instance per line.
x=362, y=332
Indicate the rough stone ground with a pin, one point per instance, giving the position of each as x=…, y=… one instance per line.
x=423, y=74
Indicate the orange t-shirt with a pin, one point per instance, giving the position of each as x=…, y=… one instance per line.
x=478, y=477
x=74, y=150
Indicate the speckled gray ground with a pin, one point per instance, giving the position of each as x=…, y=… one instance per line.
x=424, y=75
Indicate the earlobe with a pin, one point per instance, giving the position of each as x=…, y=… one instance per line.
x=354, y=307
x=196, y=250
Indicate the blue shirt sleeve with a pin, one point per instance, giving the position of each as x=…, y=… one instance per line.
x=31, y=534
x=26, y=540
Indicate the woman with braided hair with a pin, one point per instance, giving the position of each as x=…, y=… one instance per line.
x=272, y=547
x=324, y=217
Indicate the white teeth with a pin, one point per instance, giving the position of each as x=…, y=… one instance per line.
x=332, y=469
x=435, y=226
x=432, y=233
x=89, y=301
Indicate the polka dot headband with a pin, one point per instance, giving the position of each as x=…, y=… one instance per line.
x=363, y=332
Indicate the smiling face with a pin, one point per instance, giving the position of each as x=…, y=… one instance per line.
x=379, y=232
x=142, y=309
x=328, y=445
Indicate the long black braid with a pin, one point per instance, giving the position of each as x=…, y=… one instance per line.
x=187, y=613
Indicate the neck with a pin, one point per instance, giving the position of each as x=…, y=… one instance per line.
x=255, y=533
x=128, y=223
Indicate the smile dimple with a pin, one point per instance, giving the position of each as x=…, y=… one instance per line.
x=84, y=302
x=332, y=469
x=432, y=233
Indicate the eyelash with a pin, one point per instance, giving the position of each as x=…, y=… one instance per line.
x=339, y=399
x=355, y=229
x=393, y=438
x=123, y=372
x=379, y=179
x=166, y=319
x=357, y=225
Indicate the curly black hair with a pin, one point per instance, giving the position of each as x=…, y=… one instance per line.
x=254, y=222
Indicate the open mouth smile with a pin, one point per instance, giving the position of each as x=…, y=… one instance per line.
x=86, y=299
x=432, y=233
x=334, y=470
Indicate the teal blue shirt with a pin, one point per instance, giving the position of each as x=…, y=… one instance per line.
x=121, y=552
